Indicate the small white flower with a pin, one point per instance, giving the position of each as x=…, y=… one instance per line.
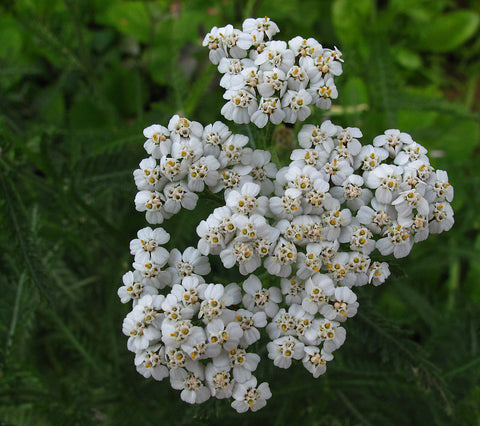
x=188, y=292
x=413, y=151
x=323, y=92
x=297, y=78
x=233, y=178
x=235, y=41
x=152, y=274
x=441, y=217
x=246, y=202
x=240, y=106
x=333, y=220
x=177, y=195
x=406, y=202
x=257, y=298
x=340, y=271
x=392, y=140
x=327, y=331
x=275, y=55
x=318, y=290
x=225, y=336
x=272, y=82
x=174, y=169
x=305, y=49
x=191, y=384
x=148, y=246
x=337, y=170
x=325, y=65
x=345, y=303
x=385, y=179
x=378, y=273
x=153, y=203
x=150, y=362
x=288, y=206
x=191, y=262
x=260, y=27
x=440, y=187
x=187, y=149
x=158, y=142
x=182, y=129
x=296, y=105
x=369, y=158
x=214, y=135
x=315, y=360
x=241, y=363
x=377, y=217
x=176, y=332
x=215, y=45
x=249, y=322
x=134, y=287
x=148, y=176
x=263, y=170
x=219, y=381
x=269, y=109
x=318, y=136
x=250, y=397
x=204, y=171
x=280, y=262
x=293, y=289
x=174, y=309
x=232, y=72
x=284, y=349
x=398, y=241
x=216, y=298
x=143, y=323
x=232, y=150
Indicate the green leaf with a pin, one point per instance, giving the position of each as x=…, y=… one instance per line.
x=355, y=92
x=408, y=59
x=350, y=20
x=130, y=18
x=449, y=31
x=10, y=38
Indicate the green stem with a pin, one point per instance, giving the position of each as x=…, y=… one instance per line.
x=267, y=139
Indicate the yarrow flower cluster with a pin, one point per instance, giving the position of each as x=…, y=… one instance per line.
x=302, y=237
x=271, y=80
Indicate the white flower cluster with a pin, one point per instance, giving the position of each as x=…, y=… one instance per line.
x=302, y=237
x=271, y=80
x=185, y=158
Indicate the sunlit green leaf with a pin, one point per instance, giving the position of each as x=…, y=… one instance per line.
x=449, y=31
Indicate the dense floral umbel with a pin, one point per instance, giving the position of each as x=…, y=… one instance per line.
x=301, y=238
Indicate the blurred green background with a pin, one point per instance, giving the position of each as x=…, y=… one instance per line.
x=80, y=79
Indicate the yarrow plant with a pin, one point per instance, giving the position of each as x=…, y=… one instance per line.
x=301, y=237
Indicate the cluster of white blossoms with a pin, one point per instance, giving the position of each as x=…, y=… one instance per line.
x=302, y=239
x=271, y=80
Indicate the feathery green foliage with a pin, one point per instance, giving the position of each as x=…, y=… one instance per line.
x=78, y=83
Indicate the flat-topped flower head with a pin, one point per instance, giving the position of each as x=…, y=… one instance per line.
x=312, y=225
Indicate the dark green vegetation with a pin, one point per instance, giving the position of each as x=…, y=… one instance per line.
x=79, y=80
